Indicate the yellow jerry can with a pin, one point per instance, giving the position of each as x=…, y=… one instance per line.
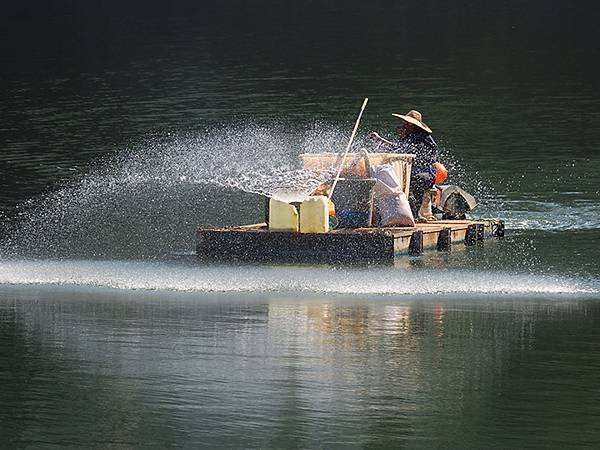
x=282, y=216
x=314, y=215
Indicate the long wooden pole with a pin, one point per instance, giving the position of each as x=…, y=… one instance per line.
x=339, y=171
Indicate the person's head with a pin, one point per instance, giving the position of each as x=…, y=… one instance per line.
x=405, y=129
x=411, y=122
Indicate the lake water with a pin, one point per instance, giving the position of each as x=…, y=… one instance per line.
x=123, y=132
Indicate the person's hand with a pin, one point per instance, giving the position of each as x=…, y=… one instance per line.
x=374, y=136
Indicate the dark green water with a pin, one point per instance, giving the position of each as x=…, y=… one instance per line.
x=107, y=369
x=124, y=126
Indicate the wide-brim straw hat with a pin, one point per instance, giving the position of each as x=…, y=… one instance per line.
x=415, y=118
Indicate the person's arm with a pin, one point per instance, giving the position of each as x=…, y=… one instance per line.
x=433, y=148
x=376, y=138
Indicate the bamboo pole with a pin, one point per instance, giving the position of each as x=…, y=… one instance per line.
x=339, y=171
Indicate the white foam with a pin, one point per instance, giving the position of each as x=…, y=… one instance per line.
x=533, y=214
x=320, y=280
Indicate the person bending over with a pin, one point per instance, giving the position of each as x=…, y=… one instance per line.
x=414, y=137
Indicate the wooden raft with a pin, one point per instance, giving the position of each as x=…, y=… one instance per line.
x=257, y=243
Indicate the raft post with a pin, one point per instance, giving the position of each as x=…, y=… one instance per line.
x=415, y=247
x=480, y=232
x=444, y=243
x=498, y=229
x=471, y=234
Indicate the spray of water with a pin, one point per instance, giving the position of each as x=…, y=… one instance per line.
x=147, y=200
x=562, y=200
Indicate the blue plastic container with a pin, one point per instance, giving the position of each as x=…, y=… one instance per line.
x=353, y=219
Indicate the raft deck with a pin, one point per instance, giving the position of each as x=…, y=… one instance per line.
x=257, y=243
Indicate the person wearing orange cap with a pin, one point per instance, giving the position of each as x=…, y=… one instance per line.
x=415, y=137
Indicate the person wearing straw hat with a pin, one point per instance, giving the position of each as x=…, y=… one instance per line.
x=415, y=137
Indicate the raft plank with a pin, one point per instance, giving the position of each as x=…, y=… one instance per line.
x=257, y=243
x=264, y=245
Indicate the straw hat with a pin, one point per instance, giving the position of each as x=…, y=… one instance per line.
x=415, y=118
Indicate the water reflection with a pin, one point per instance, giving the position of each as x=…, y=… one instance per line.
x=154, y=369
